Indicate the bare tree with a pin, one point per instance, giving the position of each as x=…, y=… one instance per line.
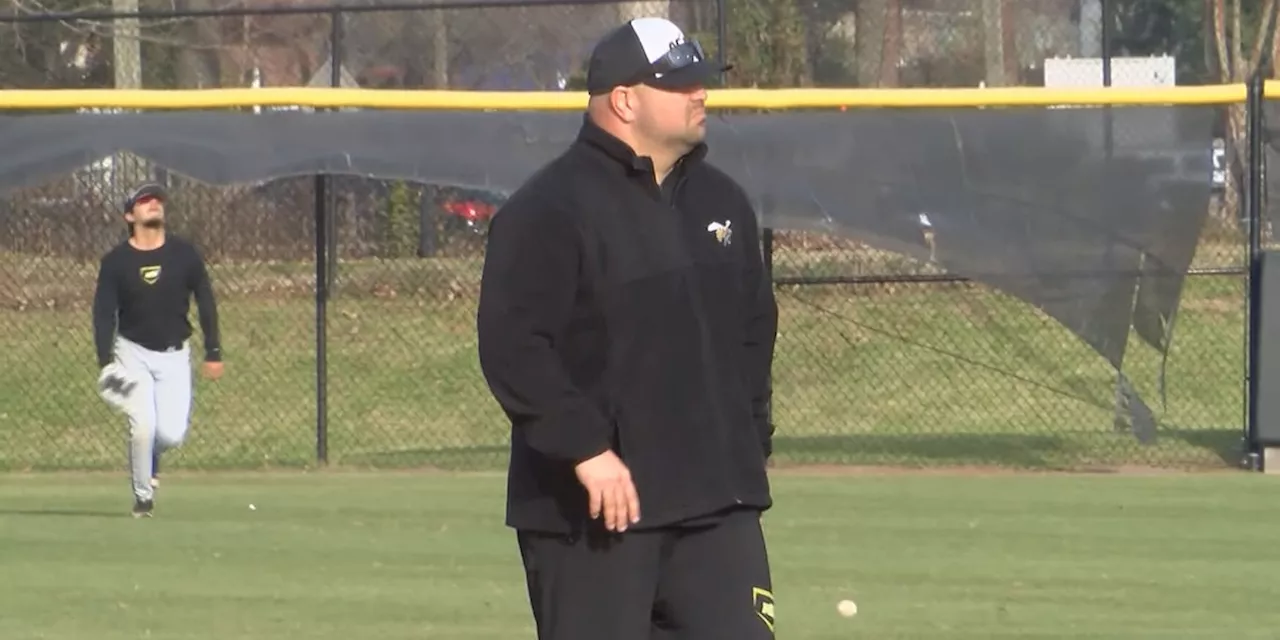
x=878, y=41
x=1236, y=65
x=197, y=66
x=869, y=24
x=643, y=9
x=999, y=42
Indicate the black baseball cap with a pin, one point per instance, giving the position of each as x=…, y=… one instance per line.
x=652, y=51
x=148, y=190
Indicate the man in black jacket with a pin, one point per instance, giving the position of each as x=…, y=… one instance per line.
x=626, y=326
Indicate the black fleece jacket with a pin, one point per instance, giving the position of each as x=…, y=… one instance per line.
x=618, y=314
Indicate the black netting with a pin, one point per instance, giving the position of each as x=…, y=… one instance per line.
x=1007, y=285
x=1090, y=231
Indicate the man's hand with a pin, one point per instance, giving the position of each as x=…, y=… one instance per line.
x=212, y=370
x=609, y=490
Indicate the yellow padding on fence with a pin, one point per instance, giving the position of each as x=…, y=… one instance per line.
x=70, y=99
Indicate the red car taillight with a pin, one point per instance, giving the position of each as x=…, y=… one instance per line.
x=470, y=210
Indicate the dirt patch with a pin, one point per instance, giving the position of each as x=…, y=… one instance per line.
x=1221, y=305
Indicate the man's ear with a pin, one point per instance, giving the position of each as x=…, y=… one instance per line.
x=622, y=101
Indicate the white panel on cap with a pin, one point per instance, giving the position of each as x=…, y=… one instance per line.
x=657, y=36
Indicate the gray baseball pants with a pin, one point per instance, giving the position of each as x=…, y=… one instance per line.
x=159, y=408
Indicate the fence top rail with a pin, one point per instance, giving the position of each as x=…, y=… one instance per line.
x=167, y=99
x=19, y=16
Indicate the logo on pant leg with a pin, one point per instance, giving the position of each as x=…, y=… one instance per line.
x=117, y=384
x=762, y=602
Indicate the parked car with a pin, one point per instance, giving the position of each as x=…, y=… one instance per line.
x=471, y=208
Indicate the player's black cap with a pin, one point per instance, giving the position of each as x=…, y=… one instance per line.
x=148, y=190
x=652, y=51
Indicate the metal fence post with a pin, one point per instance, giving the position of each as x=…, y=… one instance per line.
x=1108, y=26
x=322, y=295
x=767, y=241
x=722, y=33
x=1253, y=209
x=324, y=258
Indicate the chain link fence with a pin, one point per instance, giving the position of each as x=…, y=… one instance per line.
x=881, y=359
x=884, y=359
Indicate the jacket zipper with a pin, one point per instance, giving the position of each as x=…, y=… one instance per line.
x=684, y=238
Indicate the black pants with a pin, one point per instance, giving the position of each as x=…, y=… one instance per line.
x=693, y=583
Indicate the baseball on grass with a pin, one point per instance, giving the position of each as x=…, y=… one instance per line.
x=252, y=508
x=847, y=608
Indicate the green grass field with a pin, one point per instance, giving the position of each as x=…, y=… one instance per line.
x=916, y=374
x=343, y=555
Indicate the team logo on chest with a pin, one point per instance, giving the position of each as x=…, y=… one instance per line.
x=722, y=232
x=150, y=274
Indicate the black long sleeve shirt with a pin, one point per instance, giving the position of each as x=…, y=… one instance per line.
x=145, y=297
x=617, y=314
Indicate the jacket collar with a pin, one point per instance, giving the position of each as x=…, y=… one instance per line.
x=593, y=135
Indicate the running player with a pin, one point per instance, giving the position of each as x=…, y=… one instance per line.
x=141, y=332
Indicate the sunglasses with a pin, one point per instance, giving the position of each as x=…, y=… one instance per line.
x=682, y=55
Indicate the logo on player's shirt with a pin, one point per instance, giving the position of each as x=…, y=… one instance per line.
x=762, y=602
x=150, y=274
